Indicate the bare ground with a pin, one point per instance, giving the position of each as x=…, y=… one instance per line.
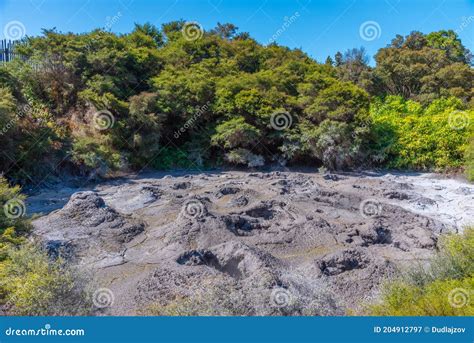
x=263, y=243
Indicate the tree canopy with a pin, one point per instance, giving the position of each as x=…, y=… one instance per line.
x=179, y=96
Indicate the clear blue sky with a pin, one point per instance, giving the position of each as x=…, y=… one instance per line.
x=321, y=27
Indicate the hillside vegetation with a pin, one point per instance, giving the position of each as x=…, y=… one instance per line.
x=99, y=102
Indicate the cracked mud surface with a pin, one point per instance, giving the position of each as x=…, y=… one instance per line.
x=155, y=239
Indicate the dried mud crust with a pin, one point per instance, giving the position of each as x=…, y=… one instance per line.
x=333, y=239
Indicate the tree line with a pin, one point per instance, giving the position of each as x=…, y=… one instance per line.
x=99, y=102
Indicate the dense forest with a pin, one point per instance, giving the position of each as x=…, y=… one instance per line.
x=178, y=97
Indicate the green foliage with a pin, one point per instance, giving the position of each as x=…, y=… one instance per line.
x=30, y=282
x=425, y=67
x=235, y=133
x=13, y=225
x=443, y=289
x=412, y=136
x=470, y=161
x=169, y=158
x=34, y=285
x=213, y=98
x=96, y=153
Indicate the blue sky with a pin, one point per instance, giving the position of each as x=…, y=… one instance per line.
x=320, y=28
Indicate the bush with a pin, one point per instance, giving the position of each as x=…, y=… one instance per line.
x=34, y=285
x=333, y=144
x=421, y=138
x=235, y=133
x=13, y=225
x=442, y=289
x=95, y=154
x=31, y=283
x=169, y=158
x=244, y=157
x=470, y=161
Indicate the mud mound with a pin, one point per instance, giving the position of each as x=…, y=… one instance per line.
x=89, y=230
x=279, y=243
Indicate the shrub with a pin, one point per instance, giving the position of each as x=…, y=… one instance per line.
x=244, y=157
x=333, y=144
x=169, y=158
x=34, y=285
x=96, y=154
x=13, y=225
x=414, y=137
x=235, y=133
x=442, y=289
x=470, y=161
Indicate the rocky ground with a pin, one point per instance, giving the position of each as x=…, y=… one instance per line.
x=241, y=243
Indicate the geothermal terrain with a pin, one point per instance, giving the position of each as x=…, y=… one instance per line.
x=240, y=243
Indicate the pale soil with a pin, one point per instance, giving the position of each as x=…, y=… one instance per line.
x=154, y=238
